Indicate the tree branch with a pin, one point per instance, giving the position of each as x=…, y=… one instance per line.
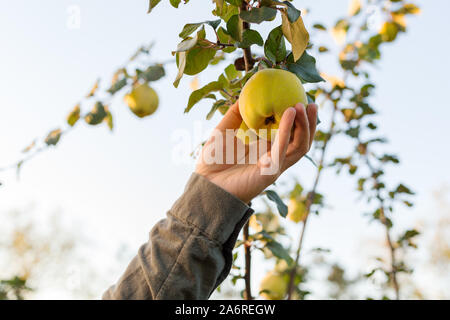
x=248, y=262
x=384, y=221
x=309, y=202
x=393, y=271
x=248, y=255
x=247, y=51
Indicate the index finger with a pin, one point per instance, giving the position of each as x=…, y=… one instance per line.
x=281, y=144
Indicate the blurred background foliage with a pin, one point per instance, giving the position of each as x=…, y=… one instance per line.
x=346, y=114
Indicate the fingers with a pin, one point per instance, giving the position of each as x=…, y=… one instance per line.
x=232, y=119
x=281, y=144
x=304, y=132
x=311, y=112
x=301, y=137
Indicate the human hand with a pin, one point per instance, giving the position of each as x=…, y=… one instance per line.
x=234, y=171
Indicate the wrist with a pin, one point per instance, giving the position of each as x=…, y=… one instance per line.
x=241, y=195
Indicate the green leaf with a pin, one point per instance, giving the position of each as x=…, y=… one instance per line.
x=239, y=83
x=389, y=31
x=305, y=69
x=117, y=86
x=53, y=137
x=403, y=189
x=214, y=108
x=275, y=46
x=152, y=4
x=408, y=8
x=225, y=11
x=234, y=27
x=389, y=158
x=296, y=191
x=73, y=116
x=187, y=44
x=219, y=57
x=371, y=273
x=97, y=115
x=181, y=62
x=407, y=203
x=109, y=119
x=191, y=27
x=197, y=59
x=249, y=38
x=349, y=64
x=152, y=73
x=265, y=64
x=292, y=12
x=211, y=96
x=258, y=15
x=201, y=93
x=318, y=198
x=311, y=98
x=214, y=23
x=319, y=26
x=175, y=3
x=273, y=196
x=225, y=38
x=231, y=72
x=279, y=251
x=408, y=235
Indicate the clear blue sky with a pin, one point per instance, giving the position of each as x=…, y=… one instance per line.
x=119, y=184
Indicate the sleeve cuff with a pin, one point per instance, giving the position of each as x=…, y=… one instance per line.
x=209, y=208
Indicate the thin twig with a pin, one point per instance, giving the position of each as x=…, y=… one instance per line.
x=309, y=202
x=393, y=271
x=247, y=51
x=217, y=44
x=384, y=221
x=248, y=256
x=248, y=262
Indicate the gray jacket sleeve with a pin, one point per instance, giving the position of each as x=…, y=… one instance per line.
x=190, y=252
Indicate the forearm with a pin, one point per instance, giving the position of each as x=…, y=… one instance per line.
x=189, y=253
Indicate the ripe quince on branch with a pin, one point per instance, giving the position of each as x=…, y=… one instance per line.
x=142, y=100
x=265, y=97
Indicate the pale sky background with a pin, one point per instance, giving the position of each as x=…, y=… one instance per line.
x=116, y=186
